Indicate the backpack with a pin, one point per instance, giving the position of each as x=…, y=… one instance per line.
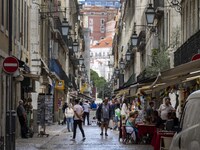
x=99, y=112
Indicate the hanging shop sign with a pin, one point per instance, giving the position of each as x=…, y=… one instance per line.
x=60, y=85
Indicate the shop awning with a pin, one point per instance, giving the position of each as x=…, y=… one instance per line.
x=182, y=73
x=32, y=76
x=58, y=70
x=80, y=95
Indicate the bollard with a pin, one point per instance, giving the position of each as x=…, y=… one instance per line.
x=10, y=129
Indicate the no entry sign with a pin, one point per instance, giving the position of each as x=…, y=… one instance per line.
x=10, y=65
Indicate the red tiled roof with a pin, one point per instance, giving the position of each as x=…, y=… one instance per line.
x=106, y=42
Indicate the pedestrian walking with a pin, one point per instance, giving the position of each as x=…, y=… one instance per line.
x=69, y=114
x=104, y=115
x=63, y=110
x=78, y=113
x=86, y=114
x=22, y=116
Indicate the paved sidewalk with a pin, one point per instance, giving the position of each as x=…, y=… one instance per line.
x=37, y=141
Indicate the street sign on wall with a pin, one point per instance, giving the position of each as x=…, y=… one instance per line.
x=10, y=65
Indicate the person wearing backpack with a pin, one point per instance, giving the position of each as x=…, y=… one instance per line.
x=104, y=115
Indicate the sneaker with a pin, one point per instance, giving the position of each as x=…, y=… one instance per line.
x=83, y=139
x=72, y=140
x=101, y=133
x=106, y=134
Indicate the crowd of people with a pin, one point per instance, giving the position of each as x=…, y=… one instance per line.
x=112, y=114
x=115, y=114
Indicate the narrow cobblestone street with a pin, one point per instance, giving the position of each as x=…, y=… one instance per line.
x=61, y=141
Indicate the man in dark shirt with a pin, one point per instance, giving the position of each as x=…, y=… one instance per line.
x=21, y=113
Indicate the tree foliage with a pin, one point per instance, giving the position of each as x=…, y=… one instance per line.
x=160, y=62
x=99, y=82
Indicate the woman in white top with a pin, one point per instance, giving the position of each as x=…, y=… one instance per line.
x=124, y=111
x=69, y=114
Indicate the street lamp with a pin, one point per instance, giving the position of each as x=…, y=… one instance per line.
x=117, y=71
x=150, y=14
x=128, y=55
x=83, y=67
x=75, y=46
x=81, y=60
x=65, y=27
x=134, y=39
x=122, y=64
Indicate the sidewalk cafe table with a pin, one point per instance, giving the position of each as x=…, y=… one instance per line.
x=144, y=129
x=157, y=138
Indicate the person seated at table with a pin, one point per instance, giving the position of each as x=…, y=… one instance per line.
x=176, y=122
x=170, y=122
x=149, y=111
x=131, y=126
x=165, y=108
x=157, y=120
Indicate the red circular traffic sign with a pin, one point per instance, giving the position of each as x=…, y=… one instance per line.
x=195, y=57
x=10, y=65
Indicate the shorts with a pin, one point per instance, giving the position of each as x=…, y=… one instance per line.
x=105, y=121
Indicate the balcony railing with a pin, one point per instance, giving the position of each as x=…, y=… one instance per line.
x=185, y=53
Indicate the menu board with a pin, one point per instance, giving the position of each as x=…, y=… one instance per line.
x=45, y=109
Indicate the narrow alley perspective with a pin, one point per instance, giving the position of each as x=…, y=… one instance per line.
x=99, y=74
x=59, y=139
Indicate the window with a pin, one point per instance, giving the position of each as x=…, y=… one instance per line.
x=103, y=53
x=2, y=12
x=99, y=54
x=117, y=4
x=107, y=53
x=91, y=54
x=103, y=3
x=102, y=21
x=109, y=3
x=102, y=29
x=91, y=29
x=96, y=54
x=88, y=3
x=98, y=3
x=90, y=21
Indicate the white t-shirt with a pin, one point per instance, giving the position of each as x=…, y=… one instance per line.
x=69, y=112
x=79, y=110
x=164, y=110
x=124, y=110
x=86, y=107
x=172, y=97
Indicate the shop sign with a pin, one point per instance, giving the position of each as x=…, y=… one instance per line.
x=60, y=85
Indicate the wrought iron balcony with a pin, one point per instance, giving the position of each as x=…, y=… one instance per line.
x=185, y=53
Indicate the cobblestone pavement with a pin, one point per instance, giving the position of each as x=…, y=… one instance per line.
x=60, y=140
